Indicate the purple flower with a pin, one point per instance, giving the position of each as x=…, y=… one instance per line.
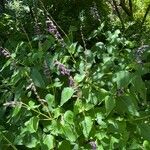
x=64, y=71
x=53, y=30
x=139, y=52
x=94, y=12
x=93, y=145
x=71, y=81
x=37, y=28
x=47, y=72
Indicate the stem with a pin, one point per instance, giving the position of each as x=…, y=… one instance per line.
x=119, y=15
x=53, y=20
x=146, y=13
x=27, y=37
x=85, y=49
x=131, y=8
x=142, y=118
x=126, y=9
x=11, y=144
x=38, y=112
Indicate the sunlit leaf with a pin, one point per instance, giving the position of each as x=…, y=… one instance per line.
x=72, y=48
x=79, y=77
x=69, y=132
x=66, y=94
x=69, y=116
x=16, y=110
x=32, y=124
x=87, y=124
x=50, y=100
x=30, y=140
x=123, y=78
x=109, y=104
x=32, y=105
x=146, y=145
x=48, y=140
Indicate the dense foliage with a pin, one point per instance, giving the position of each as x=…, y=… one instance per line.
x=75, y=75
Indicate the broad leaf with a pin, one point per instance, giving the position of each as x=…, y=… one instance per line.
x=109, y=104
x=72, y=48
x=64, y=145
x=31, y=140
x=48, y=141
x=69, y=116
x=50, y=100
x=37, y=78
x=140, y=87
x=69, y=132
x=32, y=105
x=126, y=104
x=87, y=124
x=79, y=77
x=123, y=78
x=32, y=124
x=16, y=110
x=144, y=130
x=66, y=94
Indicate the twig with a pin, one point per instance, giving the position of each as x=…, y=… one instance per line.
x=119, y=15
x=125, y=8
x=146, y=13
x=11, y=144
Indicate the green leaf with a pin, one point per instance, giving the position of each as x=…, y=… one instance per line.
x=57, y=112
x=64, y=145
x=32, y=124
x=66, y=94
x=144, y=130
x=50, y=100
x=127, y=104
x=146, y=145
x=109, y=104
x=140, y=87
x=48, y=43
x=123, y=78
x=79, y=77
x=48, y=141
x=69, y=132
x=31, y=140
x=113, y=36
x=113, y=140
x=78, y=106
x=69, y=116
x=37, y=78
x=72, y=48
x=16, y=110
x=87, y=124
x=81, y=106
x=54, y=128
x=6, y=65
x=97, y=32
x=101, y=135
x=100, y=121
x=19, y=90
x=103, y=93
x=32, y=105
